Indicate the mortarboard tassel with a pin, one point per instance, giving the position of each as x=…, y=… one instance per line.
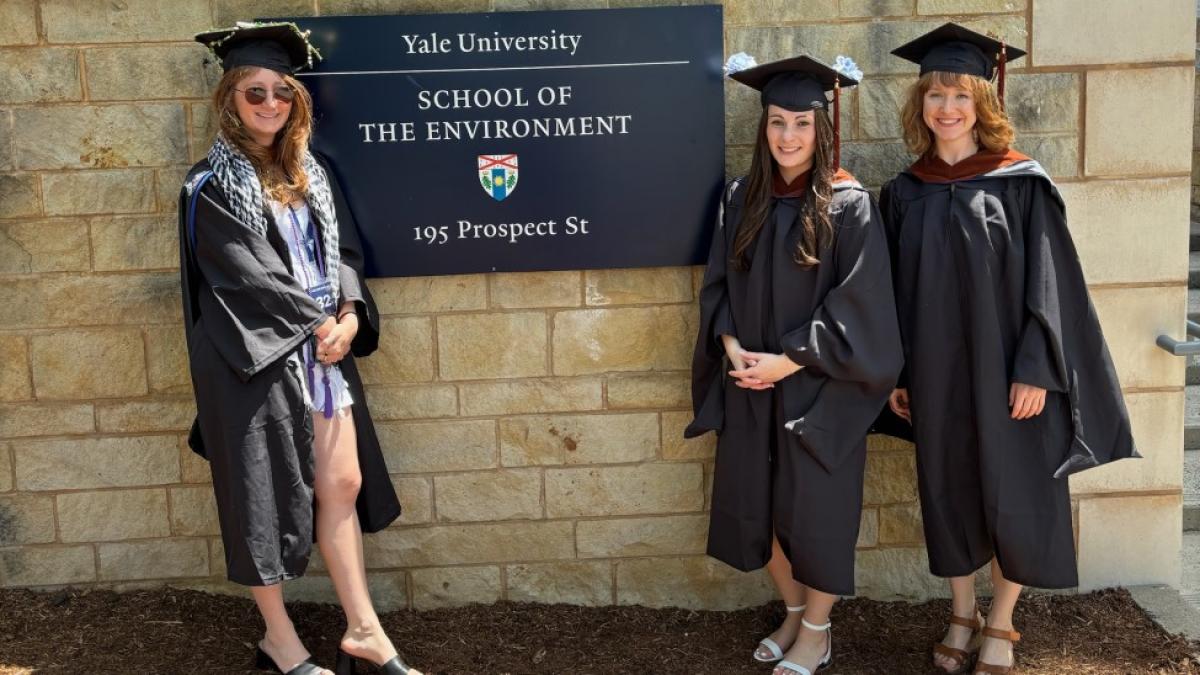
x=328, y=411
x=837, y=124
x=1000, y=85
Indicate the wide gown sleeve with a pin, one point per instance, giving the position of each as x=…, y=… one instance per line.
x=853, y=333
x=853, y=340
x=716, y=319
x=890, y=212
x=1038, y=360
x=1063, y=348
x=253, y=310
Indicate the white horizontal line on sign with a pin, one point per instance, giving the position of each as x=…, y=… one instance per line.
x=482, y=70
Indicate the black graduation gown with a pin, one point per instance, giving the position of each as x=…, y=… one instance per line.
x=791, y=459
x=244, y=314
x=989, y=292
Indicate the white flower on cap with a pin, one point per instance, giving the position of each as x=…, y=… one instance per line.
x=846, y=66
x=739, y=61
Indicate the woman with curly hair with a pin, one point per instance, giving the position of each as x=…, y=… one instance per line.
x=1008, y=383
x=275, y=310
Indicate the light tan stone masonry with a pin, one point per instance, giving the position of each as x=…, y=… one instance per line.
x=532, y=422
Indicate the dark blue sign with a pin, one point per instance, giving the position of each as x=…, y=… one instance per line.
x=525, y=140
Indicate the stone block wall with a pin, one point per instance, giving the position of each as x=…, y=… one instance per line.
x=531, y=421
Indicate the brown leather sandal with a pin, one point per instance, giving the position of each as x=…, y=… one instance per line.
x=962, y=657
x=989, y=669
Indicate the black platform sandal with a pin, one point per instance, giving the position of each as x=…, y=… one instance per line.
x=263, y=661
x=347, y=665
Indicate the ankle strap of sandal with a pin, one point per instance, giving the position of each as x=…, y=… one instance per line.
x=973, y=623
x=798, y=608
x=1009, y=635
x=813, y=626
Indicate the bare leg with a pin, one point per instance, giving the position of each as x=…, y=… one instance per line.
x=962, y=590
x=281, y=642
x=1004, y=600
x=340, y=537
x=793, y=594
x=811, y=644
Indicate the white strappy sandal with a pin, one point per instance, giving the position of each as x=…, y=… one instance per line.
x=772, y=646
x=798, y=669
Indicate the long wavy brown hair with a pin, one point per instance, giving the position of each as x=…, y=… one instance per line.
x=815, y=222
x=993, y=130
x=281, y=166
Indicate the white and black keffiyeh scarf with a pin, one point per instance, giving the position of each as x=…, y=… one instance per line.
x=244, y=190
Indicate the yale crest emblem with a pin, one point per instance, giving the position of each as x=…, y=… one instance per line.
x=498, y=175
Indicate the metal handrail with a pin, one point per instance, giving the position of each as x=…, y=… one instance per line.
x=1182, y=347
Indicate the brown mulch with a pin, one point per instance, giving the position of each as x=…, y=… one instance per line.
x=177, y=631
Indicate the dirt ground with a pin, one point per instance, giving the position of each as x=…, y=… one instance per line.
x=176, y=631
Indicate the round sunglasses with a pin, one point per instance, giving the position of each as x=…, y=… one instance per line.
x=258, y=95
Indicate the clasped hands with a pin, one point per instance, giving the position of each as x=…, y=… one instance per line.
x=334, y=338
x=756, y=370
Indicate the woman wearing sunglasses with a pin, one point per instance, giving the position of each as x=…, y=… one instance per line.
x=275, y=310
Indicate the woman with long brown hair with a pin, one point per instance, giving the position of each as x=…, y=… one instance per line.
x=1008, y=383
x=797, y=352
x=275, y=310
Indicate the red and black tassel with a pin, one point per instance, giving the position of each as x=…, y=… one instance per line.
x=837, y=124
x=1000, y=85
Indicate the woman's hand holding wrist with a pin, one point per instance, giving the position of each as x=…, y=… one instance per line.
x=763, y=369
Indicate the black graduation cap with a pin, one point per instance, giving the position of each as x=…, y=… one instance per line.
x=280, y=46
x=952, y=48
x=799, y=84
